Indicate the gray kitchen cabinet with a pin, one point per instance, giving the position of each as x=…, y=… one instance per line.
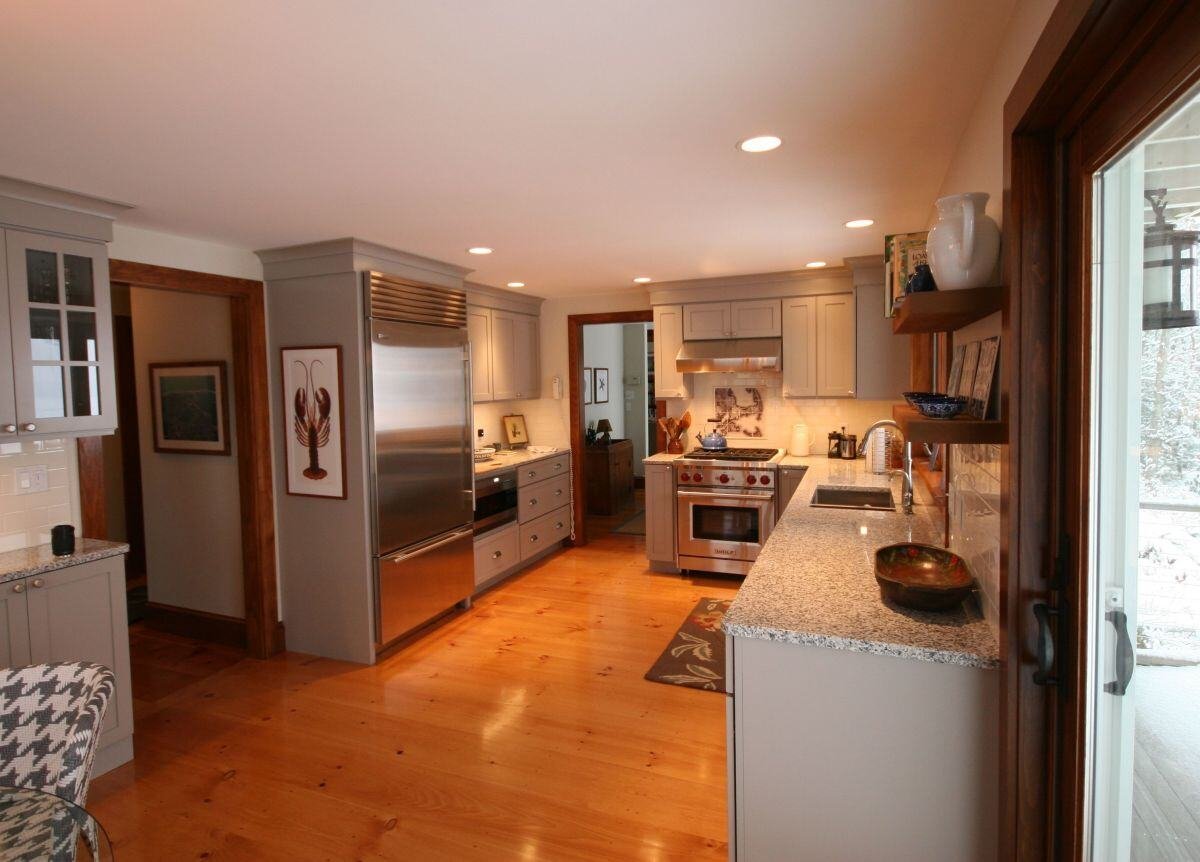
x=61, y=379
x=800, y=347
x=479, y=334
x=836, y=354
x=77, y=614
x=14, y=625
x=660, y=514
x=884, y=360
x=789, y=481
x=514, y=355
x=8, y=392
x=750, y=318
x=669, y=382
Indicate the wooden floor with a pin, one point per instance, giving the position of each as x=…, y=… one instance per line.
x=521, y=729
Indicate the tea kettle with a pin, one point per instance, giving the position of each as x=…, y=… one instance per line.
x=712, y=439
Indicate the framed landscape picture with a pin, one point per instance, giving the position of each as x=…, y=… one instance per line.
x=189, y=407
x=314, y=421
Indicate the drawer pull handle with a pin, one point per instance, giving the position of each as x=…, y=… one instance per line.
x=38, y=583
x=558, y=526
x=18, y=588
x=533, y=501
x=558, y=492
x=533, y=538
x=532, y=473
x=28, y=426
x=10, y=429
x=497, y=555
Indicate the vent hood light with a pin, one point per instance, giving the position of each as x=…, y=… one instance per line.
x=743, y=354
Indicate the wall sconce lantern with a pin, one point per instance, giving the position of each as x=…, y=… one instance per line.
x=1169, y=287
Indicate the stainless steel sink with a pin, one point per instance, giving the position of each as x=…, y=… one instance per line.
x=833, y=497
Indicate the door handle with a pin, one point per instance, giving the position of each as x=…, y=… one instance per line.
x=1045, y=644
x=1124, y=655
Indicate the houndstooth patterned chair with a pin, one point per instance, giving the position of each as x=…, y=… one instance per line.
x=50, y=719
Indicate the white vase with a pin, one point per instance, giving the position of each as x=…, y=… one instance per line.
x=963, y=243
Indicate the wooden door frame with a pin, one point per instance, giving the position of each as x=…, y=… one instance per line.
x=251, y=393
x=1091, y=85
x=575, y=325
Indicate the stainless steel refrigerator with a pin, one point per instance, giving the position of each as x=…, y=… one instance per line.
x=423, y=473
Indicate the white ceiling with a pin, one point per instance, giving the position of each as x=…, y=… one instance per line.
x=588, y=142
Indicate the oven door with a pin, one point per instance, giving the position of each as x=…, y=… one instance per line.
x=724, y=525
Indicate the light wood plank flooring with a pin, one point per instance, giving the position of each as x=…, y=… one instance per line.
x=521, y=729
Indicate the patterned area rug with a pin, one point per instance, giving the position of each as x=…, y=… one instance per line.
x=696, y=655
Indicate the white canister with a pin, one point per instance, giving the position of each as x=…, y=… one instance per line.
x=964, y=243
x=877, y=450
x=801, y=442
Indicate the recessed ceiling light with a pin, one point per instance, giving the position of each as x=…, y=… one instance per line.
x=516, y=284
x=860, y=222
x=642, y=279
x=760, y=144
x=479, y=249
x=815, y=264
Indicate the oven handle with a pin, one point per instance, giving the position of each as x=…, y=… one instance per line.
x=724, y=495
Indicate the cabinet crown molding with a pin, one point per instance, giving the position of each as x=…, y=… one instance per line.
x=486, y=296
x=349, y=254
x=30, y=206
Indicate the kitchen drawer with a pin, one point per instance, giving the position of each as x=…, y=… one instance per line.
x=496, y=551
x=535, y=500
x=542, y=533
x=547, y=468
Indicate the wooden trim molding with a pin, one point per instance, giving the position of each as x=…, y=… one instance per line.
x=263, y=634
x=575, y=324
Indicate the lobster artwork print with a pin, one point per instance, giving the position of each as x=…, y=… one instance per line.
x=310, y=422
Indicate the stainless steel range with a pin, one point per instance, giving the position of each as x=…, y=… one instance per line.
x=726, y=507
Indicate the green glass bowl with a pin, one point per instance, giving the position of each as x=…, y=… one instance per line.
x=922, y=577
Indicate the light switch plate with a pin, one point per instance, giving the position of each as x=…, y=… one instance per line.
x=31, y=480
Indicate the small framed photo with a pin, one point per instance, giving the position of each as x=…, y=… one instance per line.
x=189, y=407
x=600, y=391
x=314, y=421
x=515, y=433
x=966, y=383
x=956, y=365
x=587, y=386
x=981, y=394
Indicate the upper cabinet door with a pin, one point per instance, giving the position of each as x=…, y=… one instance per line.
x=8, y=395
x=836, y=354
x=61, y=319
x=527, y=361
x=800, y=347
x=706, y=320
x=479, y=333
x=756, y=318
x=504, y=354
x=668, y=338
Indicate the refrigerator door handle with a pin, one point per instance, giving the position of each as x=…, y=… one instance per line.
x=436, y=543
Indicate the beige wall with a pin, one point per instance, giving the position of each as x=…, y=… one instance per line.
x=604, y=347
x=193, y=519
x=978, y=166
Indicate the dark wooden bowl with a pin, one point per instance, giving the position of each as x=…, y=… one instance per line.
x=922, y=577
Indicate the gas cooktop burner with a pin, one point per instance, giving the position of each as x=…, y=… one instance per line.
x=732, y=454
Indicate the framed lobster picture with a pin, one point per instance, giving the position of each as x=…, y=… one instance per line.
x=314, y=421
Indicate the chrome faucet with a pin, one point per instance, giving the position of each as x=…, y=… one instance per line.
x=906, y=473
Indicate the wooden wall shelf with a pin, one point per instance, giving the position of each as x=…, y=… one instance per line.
x=945, y=310
x=918, y=429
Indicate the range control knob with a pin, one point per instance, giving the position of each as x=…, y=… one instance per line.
x=750, y=480
x=695, y=477
x=683, y=477
x=723, y=479
x=766, y=480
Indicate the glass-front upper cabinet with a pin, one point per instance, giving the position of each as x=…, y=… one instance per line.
x=61, y=336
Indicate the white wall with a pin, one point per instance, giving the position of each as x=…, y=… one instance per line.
x=604, y=347
x=978, y=166
x=636, y=404
x=192, y=512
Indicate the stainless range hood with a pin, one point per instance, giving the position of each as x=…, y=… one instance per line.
x=741, y=354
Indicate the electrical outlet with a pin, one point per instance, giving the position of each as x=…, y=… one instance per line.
x=31, y=480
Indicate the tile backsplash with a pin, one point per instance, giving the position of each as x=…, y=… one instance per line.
x=26, y=519
x=975, y=519
x=543, y=421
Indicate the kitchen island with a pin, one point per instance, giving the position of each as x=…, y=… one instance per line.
x=857, y=729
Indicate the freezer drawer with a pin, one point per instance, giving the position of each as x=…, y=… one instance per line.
x=416, y=584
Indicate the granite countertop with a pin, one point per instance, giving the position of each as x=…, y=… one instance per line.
x=814, y=582
x=38, y=560
x=506, y=459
